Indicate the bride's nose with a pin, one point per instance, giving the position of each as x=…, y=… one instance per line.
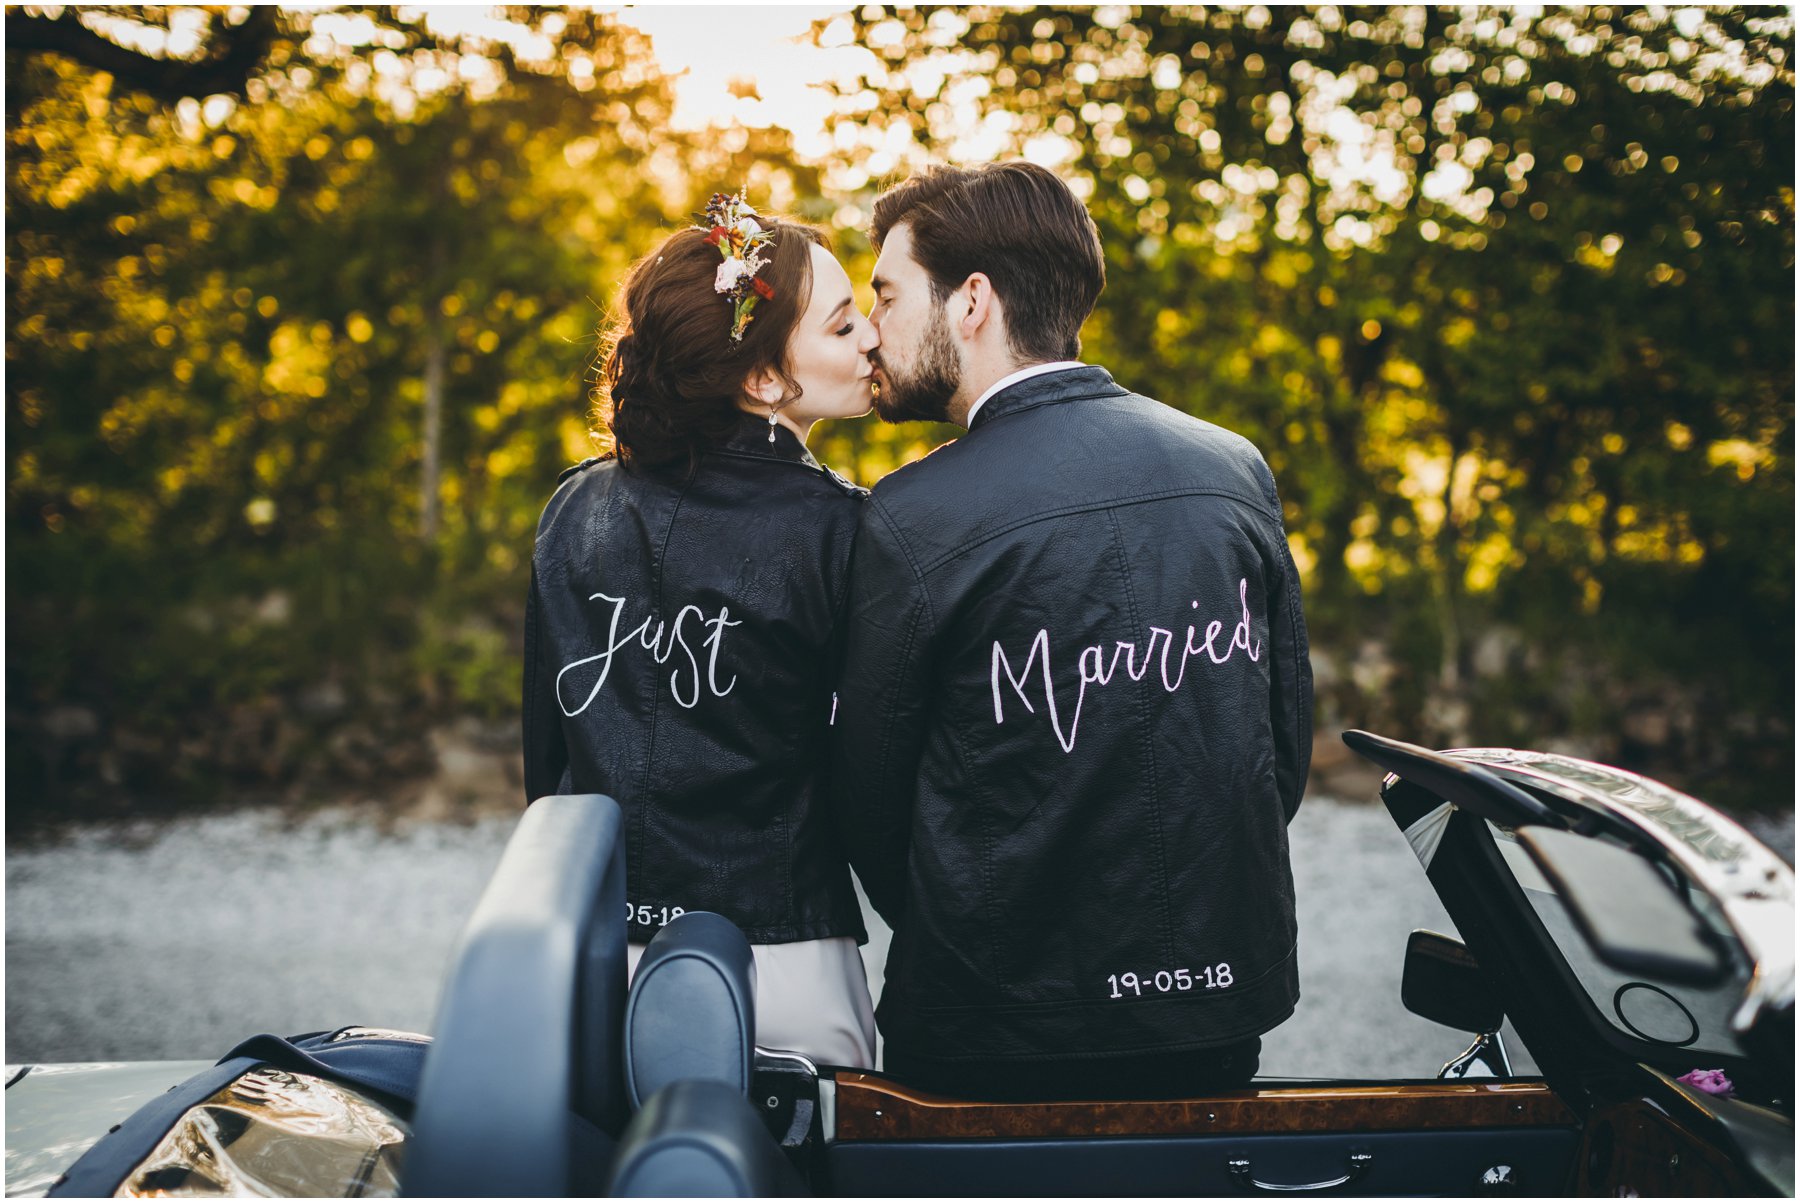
x=870, y=339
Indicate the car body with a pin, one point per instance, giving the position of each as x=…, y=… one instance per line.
x=1639, y=944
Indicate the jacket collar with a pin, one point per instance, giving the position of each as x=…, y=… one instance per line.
x=751, y=437
x=1067, y=385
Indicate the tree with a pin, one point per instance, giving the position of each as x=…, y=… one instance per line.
x=232, y=49
x=223, y=316
x=1505, y=296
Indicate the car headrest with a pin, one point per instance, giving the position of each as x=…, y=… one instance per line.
x=692, y=1010
x=700, y=1140
x=527, y=1033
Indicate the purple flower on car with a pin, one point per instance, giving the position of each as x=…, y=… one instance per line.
x=1709, y=1081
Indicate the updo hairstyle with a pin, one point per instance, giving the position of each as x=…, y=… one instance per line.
x=672, y=376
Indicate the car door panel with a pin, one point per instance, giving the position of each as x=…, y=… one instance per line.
x=1405, y=1138
x=1529, y=1160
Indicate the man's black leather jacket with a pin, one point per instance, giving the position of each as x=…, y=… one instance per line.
x=1074, y=723
x=681, y=643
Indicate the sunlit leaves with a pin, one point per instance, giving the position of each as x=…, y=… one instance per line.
x=1474, y=279
x=217, y=313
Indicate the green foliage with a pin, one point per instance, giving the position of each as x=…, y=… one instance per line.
x=1507, y=299
x=220, y=318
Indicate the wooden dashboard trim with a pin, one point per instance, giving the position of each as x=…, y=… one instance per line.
x=870, y=1107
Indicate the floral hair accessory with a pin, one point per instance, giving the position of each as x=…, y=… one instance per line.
x=731, y=226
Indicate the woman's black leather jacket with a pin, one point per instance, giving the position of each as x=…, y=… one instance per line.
x=681, y=642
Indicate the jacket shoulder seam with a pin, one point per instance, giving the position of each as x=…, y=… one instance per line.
x=846, y=487
x=1085, y=507
x=899, y=537
x=1116, y=390
x=572, y=469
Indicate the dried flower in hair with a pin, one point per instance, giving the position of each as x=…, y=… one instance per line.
x=731, y=226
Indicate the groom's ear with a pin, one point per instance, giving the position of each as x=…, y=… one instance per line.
x=974, y=305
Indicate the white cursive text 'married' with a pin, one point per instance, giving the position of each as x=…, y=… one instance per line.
x=1096, y=669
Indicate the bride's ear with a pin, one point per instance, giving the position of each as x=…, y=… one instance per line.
x=764, y=387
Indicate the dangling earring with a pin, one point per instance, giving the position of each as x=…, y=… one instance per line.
x=771, y=423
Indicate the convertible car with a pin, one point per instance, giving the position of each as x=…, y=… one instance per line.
x=1640, y=944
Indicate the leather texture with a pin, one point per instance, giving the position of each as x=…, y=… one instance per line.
x=1075, y=722
x=681, y=641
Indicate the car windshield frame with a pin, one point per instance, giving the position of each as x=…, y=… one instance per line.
x=1605, y=989
x=1440, y=800
x=1563, y=1009
x=1748, y=884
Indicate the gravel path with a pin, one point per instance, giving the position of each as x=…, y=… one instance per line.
x=176, y=942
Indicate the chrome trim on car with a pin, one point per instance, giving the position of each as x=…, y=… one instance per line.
x=828, y=1109
x=1752, y=885
x=778, y=1055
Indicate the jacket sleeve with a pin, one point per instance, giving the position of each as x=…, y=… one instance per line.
x=878, y=735
x=546, y=755
x=1290, y=668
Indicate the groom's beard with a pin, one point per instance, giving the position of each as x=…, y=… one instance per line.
x=922, y=392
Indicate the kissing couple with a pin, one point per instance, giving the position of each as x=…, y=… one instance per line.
x=1045, y=691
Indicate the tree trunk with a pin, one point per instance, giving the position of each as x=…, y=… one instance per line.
x=430, y=469
x=1449, y=573
x=434, y=420
x=1450, y=712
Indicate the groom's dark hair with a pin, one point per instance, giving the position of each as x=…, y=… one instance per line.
x=1020, y=226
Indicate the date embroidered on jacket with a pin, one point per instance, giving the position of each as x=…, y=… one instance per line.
x=660, y=650
x=1207, y=977
x=646, y=915
x=1095, y=669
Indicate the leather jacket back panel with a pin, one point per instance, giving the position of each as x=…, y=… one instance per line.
x=687, y=638
x=1127, y=731
x=1109, y=632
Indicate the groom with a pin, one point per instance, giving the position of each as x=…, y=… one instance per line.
x=1076, y=707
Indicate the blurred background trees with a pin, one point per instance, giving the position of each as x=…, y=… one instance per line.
x=1506, y=297
x=301, y=312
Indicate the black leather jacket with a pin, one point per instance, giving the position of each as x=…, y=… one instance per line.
x=681, y=643
x=1074, y=723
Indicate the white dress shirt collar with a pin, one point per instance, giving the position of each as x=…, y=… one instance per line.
x=1036, y=369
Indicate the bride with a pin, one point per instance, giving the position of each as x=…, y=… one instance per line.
x=687, y=591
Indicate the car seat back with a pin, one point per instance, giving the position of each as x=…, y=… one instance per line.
x=692, y=1008
x=525, y=1064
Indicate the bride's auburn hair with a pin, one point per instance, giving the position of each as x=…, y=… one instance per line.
x=671, y=376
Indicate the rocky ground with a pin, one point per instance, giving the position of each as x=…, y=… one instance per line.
x=176, y=940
